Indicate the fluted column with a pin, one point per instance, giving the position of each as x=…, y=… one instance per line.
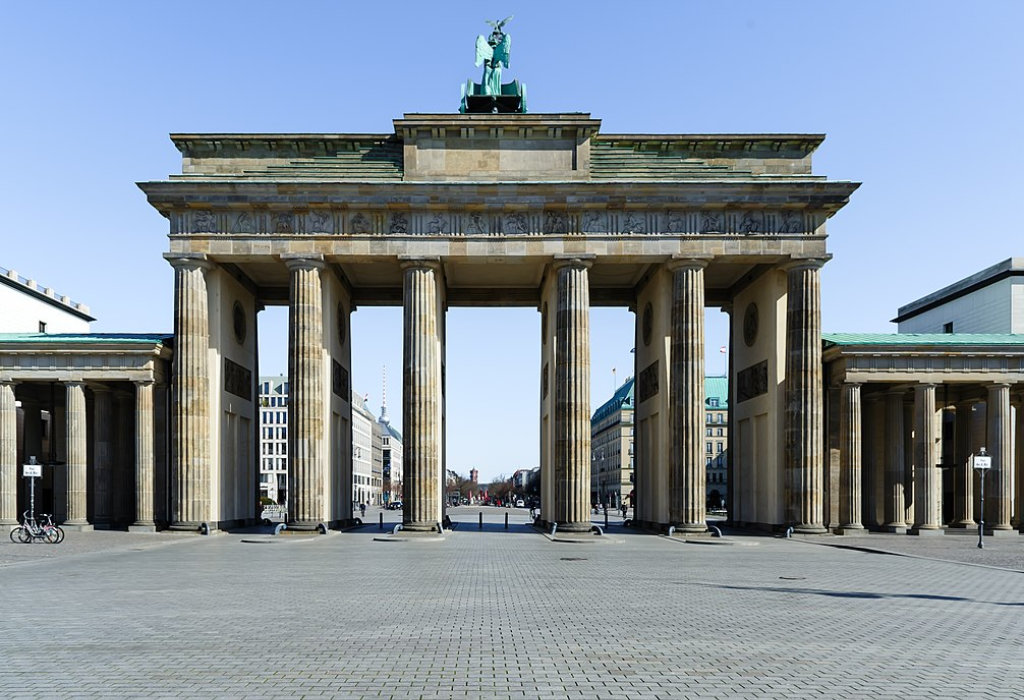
x=75, y=421
x=850, y=436
x=999, y=438
x=306, y=454
x=687, y=472
x=144, y=456
x=895, y=463
x=421, y=461
x=102, y=455
x=804, y=410
x=8, y=456
x=1019, y=480
x=926, y=507
x=572, y=395
x=963, y=477
x=190, y=402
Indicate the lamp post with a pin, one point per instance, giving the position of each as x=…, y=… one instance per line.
x=981, y=463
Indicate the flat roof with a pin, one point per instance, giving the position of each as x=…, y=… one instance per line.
x=88, y=338
x=1011, y=267
x=914, y=339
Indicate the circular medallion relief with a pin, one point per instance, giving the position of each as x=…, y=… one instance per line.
x=750, y=324
x=647, y=324
x=238, y=322
x=342, y=324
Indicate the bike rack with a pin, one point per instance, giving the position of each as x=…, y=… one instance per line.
x=789, y=532
x=204, y=528
x=671, y=530
x=280, y=526
x=596, y=528
x=718, y=533
x=322, y=528
x=554, y=529
x=440, y=528
x=397, y=528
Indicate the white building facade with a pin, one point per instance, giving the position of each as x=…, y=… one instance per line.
x=29, y=307
x=990, y=301
x=274, y=439
x=366, y=454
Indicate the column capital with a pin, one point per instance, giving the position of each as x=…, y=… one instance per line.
x=796, y=263
x=853, y=384
x=188, y=261
x=688, y=262
x=999, y=385
x=584, y=260
x=9, y=382
x=149, y=381
x=73, y=382
x=303, y=261
x=419, y=262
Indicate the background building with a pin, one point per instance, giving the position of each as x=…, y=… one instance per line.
x=31, y=308
x=716, y=440
x=274, y=439
x=391, y=458
x=611, y=448
x=367, y=454
x=990, y=301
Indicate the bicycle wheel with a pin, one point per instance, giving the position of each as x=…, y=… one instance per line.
x=20, y=534
x=51, y=535
x=60, y=533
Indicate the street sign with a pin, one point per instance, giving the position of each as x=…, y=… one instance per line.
x=32, y=469
x=982, y=462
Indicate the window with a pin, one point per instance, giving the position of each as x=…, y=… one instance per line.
x=713, y=401
x=721, y=417
x=719, y=446
x=946, y=327
x=709, y=432
x=707, y=461
x=709, y=448
x=718, y=432
x=42, y=326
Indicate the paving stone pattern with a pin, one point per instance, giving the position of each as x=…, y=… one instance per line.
x=499, y=614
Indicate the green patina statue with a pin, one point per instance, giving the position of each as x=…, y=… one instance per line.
x=490, y=95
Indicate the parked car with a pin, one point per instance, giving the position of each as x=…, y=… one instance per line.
x=394, y=505
x=273, y=514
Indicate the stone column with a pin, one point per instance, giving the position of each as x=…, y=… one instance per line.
x=190, y=402
x=144, y=458
x=8, y=457
x=421, y=461
x=306, y=454
x=895, y=464
x=963, y=478
x=804, y=406
x=572, y=395
x=850, y=440
x=687, y=472
x=76, y=431
x=102, y=455
x=926, y=507
x=1019, y=443
x=1000, y=478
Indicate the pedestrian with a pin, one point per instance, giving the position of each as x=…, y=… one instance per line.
x=362, y=509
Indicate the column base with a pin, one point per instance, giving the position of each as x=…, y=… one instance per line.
x=192, y=527
x=575, y=527
x=895, y=528
x=691, y=528
x=77, y=527
x=142, y=527
x=853, y=529
x=1001, y=532
x=810, y=530
x=307, y=525
x=927, y=531
x=963, y=524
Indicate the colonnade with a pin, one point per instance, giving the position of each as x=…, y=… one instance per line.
x=83, y=502
x=911, y=481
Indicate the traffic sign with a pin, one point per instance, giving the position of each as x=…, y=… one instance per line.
x=32, y=470
x=982, y=462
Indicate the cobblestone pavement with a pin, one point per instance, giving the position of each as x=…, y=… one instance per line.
x=504, y=614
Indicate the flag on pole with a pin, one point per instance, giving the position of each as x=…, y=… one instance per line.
x=722, y=349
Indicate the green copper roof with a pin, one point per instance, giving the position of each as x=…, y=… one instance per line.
x=716, y=388
x=86, y=338
x=833, y=339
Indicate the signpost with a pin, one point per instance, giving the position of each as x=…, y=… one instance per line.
x=981, y=463
x=32, y=471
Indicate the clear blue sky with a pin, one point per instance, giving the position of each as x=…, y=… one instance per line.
x=921, y=102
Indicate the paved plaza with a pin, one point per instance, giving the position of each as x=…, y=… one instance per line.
x=510, y=614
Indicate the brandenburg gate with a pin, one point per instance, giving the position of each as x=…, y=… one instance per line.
x=537, y=210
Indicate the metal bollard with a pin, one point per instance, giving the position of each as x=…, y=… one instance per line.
x=789, y=532
x=606, y=517
x=481, y=521
x=381, y=527
x=280, y=526
x=506, y=520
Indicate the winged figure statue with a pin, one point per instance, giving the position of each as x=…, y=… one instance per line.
x=493, y=53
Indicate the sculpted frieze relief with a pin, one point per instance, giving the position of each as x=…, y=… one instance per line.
x=685, y=222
